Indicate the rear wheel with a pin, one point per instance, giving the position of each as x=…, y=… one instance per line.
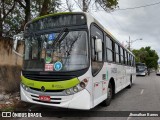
x=109, y=95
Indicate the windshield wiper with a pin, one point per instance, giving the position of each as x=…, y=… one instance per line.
x=61, y=36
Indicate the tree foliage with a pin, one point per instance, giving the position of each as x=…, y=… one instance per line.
x=107, y=5
x=14, y=14
x=148, y=56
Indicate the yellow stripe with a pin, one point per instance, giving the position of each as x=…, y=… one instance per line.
x=59, y=85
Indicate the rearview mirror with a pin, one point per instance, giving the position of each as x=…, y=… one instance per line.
x=16, y=39
x=98, y=45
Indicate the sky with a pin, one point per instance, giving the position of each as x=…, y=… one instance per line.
x=142, y=23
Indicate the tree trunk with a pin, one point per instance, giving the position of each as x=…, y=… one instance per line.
x=44, y=9
x=27, y=11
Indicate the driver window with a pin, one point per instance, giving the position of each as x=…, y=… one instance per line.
x=97, y=57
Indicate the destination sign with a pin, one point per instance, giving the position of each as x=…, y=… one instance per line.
x=51, y=22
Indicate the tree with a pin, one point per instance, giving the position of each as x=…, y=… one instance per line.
x=6, y=7
x=69, y=6
x=26, y=6
x=49, y=6
x=148, y=56
x=107, y=5
x=14, y=14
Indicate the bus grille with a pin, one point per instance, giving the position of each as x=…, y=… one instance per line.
x=35, y=98
x=46, y=101
x=47, y=77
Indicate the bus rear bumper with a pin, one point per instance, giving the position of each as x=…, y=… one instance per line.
x=80, y=100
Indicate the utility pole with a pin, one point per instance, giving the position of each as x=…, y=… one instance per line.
x=131, y=41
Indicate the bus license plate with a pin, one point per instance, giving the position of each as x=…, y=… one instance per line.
x=45, y=98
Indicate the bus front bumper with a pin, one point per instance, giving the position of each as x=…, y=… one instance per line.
x=80, y=100
x=141, y=73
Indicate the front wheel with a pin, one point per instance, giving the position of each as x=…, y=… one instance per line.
x=109, y=95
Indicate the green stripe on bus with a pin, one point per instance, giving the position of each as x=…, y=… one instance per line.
x=59, y=85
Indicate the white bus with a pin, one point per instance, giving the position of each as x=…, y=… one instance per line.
x=158, y=70
x=141, y=69
x=72, y=61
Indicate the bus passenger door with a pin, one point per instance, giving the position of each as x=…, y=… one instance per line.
x=97, y=88
x=97, y=52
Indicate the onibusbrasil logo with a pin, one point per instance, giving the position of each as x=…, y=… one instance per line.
x=19, y=114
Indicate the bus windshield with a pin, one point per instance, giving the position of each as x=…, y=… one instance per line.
x=140, y=67
x=56, y=51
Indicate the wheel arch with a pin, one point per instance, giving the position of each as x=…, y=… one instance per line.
x=112, y=81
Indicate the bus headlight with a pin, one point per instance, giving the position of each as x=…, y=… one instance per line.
x=25, y=87
x=68, y=91
x=75, y=89
x=82, y=85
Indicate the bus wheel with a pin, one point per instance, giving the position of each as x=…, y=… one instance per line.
x=109, y=95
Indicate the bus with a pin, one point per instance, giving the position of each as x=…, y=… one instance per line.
x=158, y=69
x=141, y=69
x=71, y=61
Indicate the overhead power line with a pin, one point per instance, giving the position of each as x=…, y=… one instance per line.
x=132, y=8
x=147, y=5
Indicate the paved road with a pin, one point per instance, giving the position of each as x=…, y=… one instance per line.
x=143, y=96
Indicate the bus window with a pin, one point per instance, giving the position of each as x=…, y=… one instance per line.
x=97, y=57
x=117, y=53
x=109, y=47
x=34, y=49
x=126, y=59
x=122, y=55
x=129, y=59
x=134, y=64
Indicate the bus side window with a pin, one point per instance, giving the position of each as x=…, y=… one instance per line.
x=117, y=53
x=126, y=59
x=129, y=59
x=96, y=33
x=109, y=49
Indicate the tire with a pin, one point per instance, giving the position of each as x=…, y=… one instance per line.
x=109, y=95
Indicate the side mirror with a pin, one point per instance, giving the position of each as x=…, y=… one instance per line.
x=98, y=45
x=16, y=39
